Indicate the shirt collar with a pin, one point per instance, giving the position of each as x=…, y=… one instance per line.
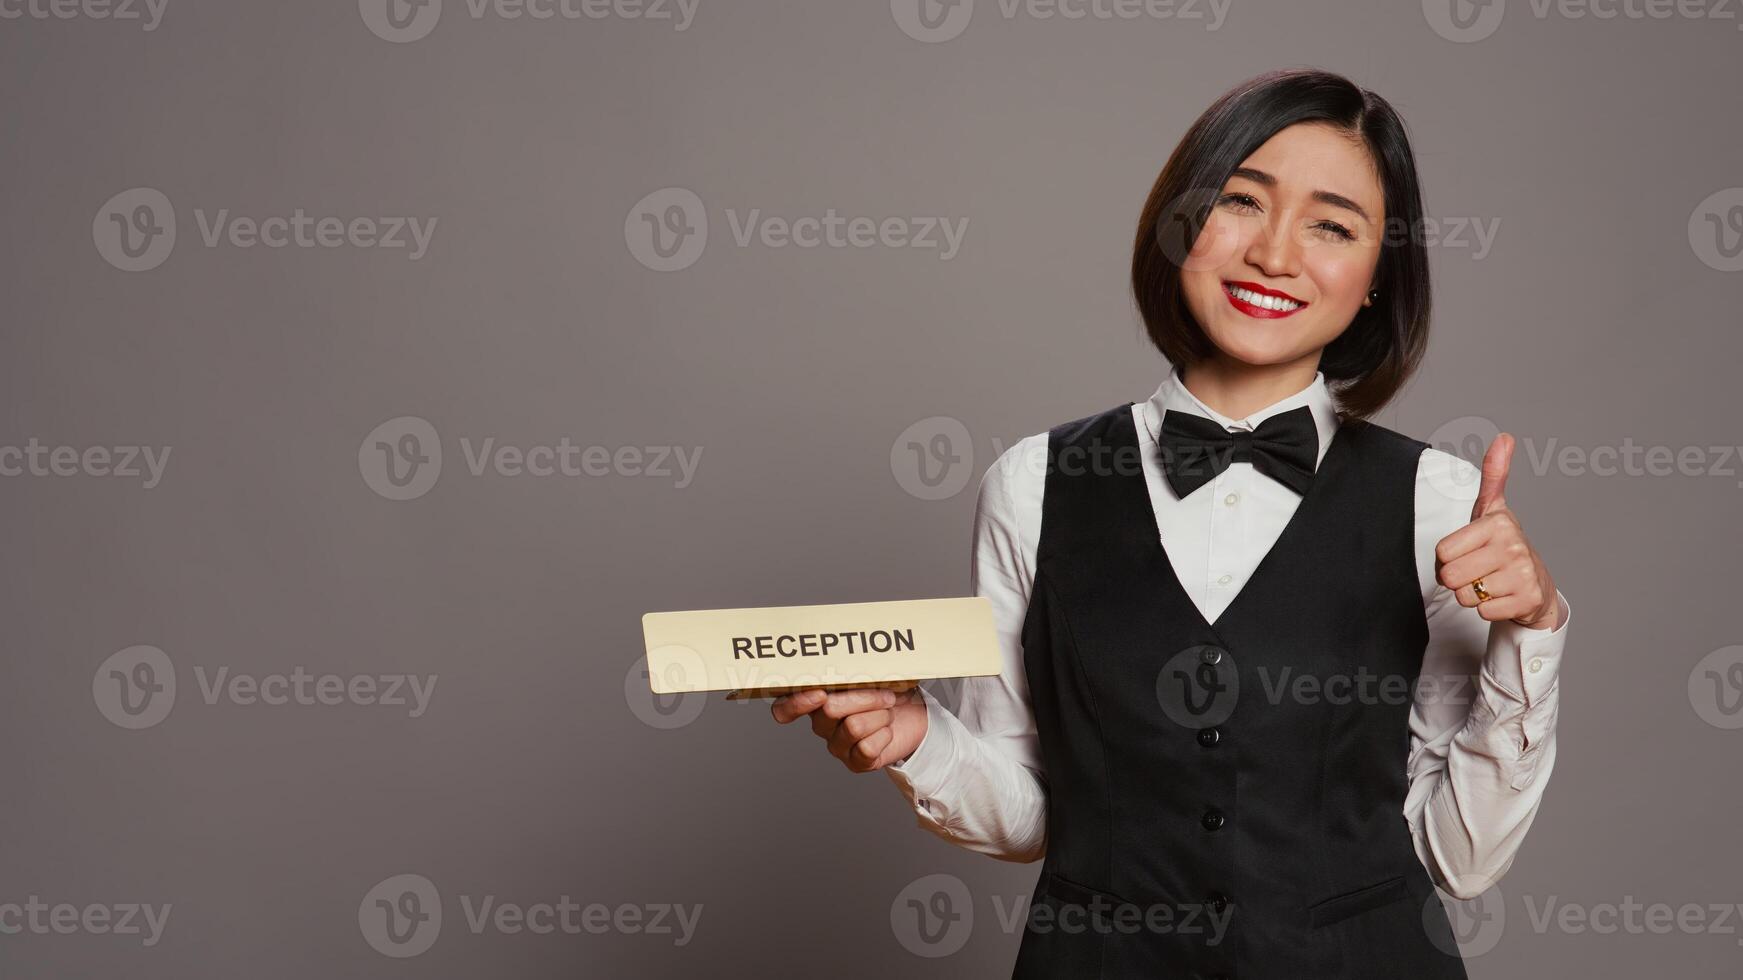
x=1171, y=395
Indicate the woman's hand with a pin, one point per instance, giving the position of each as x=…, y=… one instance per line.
x=1493, y=547
x=865, y=729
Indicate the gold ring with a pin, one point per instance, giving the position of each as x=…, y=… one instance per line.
x=1482, y=593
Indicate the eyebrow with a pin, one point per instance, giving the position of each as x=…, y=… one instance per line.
x=1323, y=197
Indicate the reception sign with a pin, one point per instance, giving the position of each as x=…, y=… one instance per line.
x=771, y=650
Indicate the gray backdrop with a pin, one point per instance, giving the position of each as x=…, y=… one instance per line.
x=208, y=702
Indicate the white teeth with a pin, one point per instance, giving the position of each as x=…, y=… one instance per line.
x=1265, y=302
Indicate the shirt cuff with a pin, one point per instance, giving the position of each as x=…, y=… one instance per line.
x=926, y=772
x=1524, y=662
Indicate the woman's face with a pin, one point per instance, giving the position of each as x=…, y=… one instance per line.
x=1288, y=252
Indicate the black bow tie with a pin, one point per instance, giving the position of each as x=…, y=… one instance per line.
x=1195, y=449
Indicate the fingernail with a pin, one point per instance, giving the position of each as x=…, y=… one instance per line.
x=889, y=698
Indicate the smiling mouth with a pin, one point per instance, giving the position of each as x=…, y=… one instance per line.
x=1256, y=301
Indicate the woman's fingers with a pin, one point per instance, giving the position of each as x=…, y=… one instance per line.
x=1461, y=571
x=790, y=706
x=866, y=752
x=850, y=730
x=856, y=725
x=841, y=704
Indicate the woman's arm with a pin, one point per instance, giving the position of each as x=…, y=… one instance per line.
x=976, y=779
x=1482, y=723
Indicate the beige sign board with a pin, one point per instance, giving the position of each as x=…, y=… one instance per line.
x=771, y=650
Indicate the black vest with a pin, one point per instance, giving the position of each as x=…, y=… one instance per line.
x=1226, y=799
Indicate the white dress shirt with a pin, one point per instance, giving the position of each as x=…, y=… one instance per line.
x=1482, y=719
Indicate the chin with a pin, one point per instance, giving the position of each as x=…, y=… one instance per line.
x=1250, y=345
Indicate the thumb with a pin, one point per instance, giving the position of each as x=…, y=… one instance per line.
x=1495, y=464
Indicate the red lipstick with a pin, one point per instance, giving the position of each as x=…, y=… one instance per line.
x=1260, y=312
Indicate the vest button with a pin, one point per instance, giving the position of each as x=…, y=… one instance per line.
x=1217, y=901
x=1212, y=819
x=1208, y=737
x=1211, y=655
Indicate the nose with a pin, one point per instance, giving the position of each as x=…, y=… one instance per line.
x=1273, y=249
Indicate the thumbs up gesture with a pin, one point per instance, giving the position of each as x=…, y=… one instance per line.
x=1492, y=550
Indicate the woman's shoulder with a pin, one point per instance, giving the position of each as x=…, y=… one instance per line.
x=1021, y=467
x=1446, y=483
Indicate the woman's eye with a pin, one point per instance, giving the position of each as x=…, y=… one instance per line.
x=1239, y=201
x=1336, y=230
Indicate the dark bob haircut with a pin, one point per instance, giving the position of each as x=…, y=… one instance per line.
x=1377, y=353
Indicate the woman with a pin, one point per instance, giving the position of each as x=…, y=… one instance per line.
x=1272, y=671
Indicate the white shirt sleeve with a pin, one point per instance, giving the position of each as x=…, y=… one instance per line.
x=1482, y=721
x=976, y=778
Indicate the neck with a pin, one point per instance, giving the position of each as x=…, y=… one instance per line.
x=1237, y=389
